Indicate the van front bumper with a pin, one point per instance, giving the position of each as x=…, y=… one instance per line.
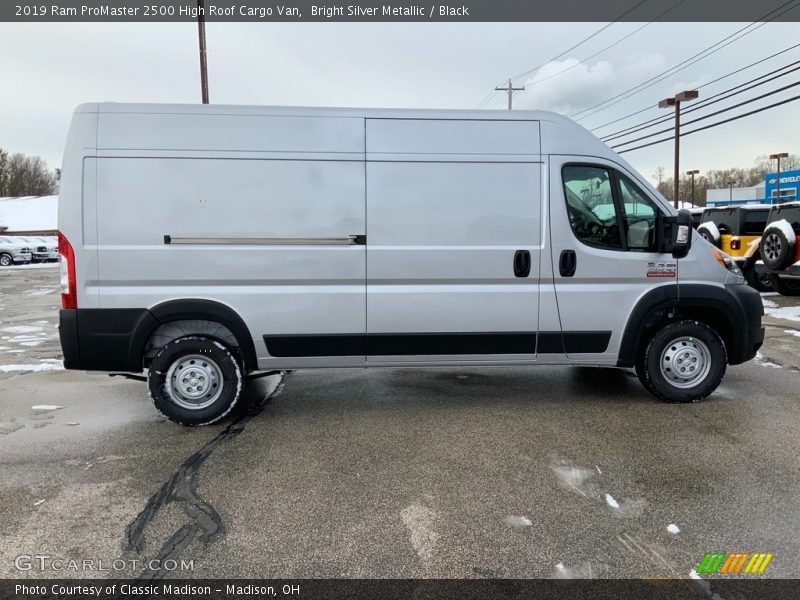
x=748, y=332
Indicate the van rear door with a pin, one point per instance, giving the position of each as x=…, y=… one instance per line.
x=454, y=240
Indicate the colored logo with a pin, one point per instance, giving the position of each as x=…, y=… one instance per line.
x=750, y=563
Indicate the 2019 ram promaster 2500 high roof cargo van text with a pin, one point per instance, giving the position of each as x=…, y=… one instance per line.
x=205, y=242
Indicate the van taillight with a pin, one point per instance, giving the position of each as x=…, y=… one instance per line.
x=69, y=290
x=736, y=244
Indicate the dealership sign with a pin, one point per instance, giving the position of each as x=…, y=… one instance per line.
x=789, y=187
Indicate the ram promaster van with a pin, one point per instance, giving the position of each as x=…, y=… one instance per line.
x=203, y=243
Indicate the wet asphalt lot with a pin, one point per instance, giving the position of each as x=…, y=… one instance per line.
x=517, y=472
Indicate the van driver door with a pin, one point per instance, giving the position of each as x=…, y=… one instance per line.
x=604, y=251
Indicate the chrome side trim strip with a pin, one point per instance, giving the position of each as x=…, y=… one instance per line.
x=350, y=240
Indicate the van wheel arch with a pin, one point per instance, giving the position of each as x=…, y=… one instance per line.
x=205, y=312
x=660, y=307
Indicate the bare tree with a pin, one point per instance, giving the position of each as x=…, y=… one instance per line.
x=4, y=174
x=28, y=176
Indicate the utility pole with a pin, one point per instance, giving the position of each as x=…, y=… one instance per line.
x=778, y=157
x=691, y=174
x=684, y=96
x=509, y=89
x=201, y=34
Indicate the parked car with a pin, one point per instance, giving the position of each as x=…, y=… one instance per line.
x=780, y=249
x=13, y=251
x=736, y=230
x=377, y=238
x=44, y=249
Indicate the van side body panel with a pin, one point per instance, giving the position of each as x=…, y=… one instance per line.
x=236, y=177
x=347, y=237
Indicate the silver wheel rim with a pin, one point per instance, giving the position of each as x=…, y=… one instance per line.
x=194, y=382
x=685, y=362
x=706, y=236
x=772, y=247
x=5, y=261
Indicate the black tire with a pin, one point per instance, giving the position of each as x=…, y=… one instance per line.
x=776, y=249
x=217, y=381
x=6, y=260
x=675, y=343
x=708, y=235
x=785, y=287
x=761, y=283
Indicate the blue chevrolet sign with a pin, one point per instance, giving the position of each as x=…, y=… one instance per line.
x=789, y=187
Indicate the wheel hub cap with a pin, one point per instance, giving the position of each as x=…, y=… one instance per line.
x=772, y=246
x=194, y=382
x=685, y=362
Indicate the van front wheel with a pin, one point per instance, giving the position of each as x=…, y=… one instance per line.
x=684, y=362
x=194, y=381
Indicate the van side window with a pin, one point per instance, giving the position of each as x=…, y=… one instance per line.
x=590, y=204
x=638, y=216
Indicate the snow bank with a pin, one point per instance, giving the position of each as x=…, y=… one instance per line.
x=29, y=213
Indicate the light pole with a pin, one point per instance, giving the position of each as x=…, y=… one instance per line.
x=692, y=173
x=778, y=157
x=201, y=37
x=684, y=96
x=730, y=190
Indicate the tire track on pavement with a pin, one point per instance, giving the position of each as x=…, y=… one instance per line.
x=181, y=488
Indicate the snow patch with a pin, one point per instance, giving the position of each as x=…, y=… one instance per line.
x=768, y=303
x=419, y=521
x=788, y=313
x=672, y=528
x=47, y=265
x=760, y=360
x=46, y=407
x=517, y=521
x=50, y=366
x=21, y=329
x=611, y=502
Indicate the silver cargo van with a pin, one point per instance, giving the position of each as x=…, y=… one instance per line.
x=203, y=243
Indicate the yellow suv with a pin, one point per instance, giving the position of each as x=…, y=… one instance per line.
x=736, y=230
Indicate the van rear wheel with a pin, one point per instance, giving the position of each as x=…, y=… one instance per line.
x=684, y=362
x=195, y=380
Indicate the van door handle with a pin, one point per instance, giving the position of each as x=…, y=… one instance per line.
x=522, y=263
x=567, y=263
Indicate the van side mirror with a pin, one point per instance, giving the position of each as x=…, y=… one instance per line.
x=677, y=234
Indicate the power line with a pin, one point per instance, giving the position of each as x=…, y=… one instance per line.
x=571, y=48
x=712, y=125
x=707, y=83
x=704, y=103
x=619, y=41
x=708, y=116
x=583, y=41
x=705, y=53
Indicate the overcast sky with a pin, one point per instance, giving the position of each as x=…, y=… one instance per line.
x=47, y=69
